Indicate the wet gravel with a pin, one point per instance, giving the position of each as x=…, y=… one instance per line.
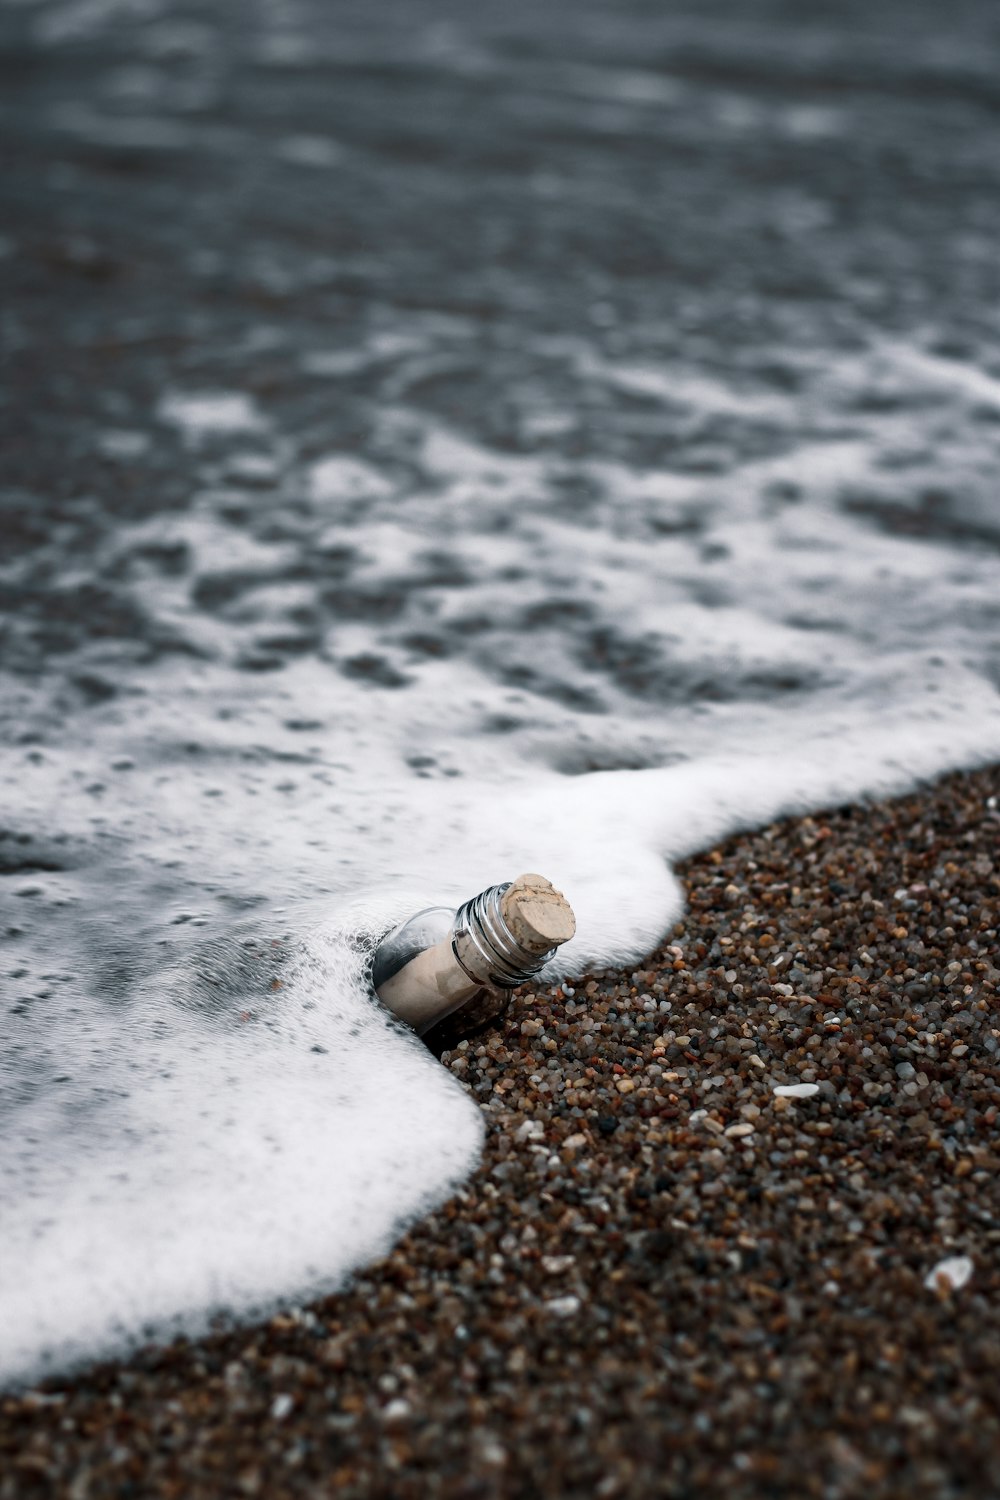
x=665, y=1279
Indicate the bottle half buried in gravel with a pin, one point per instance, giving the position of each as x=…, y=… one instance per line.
x=442, y=961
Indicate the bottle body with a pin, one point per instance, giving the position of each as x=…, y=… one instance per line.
x=421, y=931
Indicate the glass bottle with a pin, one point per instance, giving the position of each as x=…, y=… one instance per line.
x=440, y=960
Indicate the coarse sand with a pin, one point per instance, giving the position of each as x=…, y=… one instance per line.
x=665, y=1279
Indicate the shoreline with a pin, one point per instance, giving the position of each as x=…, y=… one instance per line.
x=663, y=1279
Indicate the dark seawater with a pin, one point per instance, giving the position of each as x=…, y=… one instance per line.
x=408, y=411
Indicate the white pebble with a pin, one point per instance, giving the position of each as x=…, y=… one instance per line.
x=949, y=1274
x=281, y=1406
x=796, y=1090
x=563, y=1307
x=556, y=1265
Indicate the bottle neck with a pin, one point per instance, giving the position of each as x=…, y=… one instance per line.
x=487, y=950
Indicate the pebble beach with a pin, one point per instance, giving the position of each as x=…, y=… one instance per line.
x=412, y=412
x=666, y=1278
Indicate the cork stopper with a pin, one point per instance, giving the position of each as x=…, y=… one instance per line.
x=539, y=917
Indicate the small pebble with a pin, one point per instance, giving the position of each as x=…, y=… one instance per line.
x=563, y=1307
x=950, y=1274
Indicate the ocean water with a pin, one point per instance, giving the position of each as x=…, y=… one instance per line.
x=435, y=447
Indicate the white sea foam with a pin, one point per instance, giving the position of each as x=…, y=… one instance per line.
x=201, y=413
x=180, y=1137
x=246, y=1152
